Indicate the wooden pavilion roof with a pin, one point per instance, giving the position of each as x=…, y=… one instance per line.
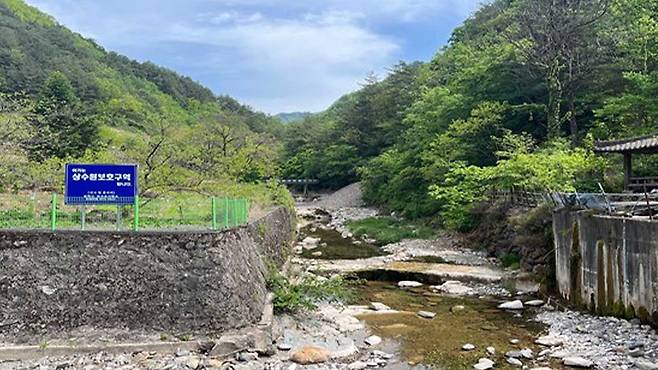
x=643, y=145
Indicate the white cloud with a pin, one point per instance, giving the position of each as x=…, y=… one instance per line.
x=277, y=55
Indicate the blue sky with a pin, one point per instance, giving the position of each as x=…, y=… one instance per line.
x=275, y=55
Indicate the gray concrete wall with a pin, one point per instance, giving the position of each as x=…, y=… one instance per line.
x=607, y=264
x=175, y=282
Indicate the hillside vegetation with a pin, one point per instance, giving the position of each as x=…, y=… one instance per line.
x=63, y=98
x=516, y=98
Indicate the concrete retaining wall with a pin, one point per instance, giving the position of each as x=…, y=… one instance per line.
x=175, y=282
x=607, y=264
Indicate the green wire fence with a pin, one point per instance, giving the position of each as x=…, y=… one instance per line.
x=48, y=211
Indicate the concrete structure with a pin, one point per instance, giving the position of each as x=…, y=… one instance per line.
x=174, y=282
x=607, y=264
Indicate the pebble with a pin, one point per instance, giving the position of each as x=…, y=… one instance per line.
x=409, y=284
x=378, y=306
x=484, y=364
x=468, y=347
x=373, y=340
x=514, y=341
x=358, y=365
x=515, y=362
x=577, y=362
x=513, y=305
x=284, y=347
x=426, y=314
x=491, y=351
x=550, y=341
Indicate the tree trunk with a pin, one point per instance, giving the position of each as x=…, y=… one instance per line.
x=573, y=123
x=554, y=86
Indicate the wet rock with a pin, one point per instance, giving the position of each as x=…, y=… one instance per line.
x=378, y=306
x=468, y=347
x=358, y=365
x=550, y=341
x=373, y=340
x=426, y=314
x=577, y=362
x=310, y=355
x=409, y=284
x=514, y=362
x=513, y=305
x=534, y=303
x=484, y=364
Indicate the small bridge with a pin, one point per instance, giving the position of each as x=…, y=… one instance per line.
x=302, y=182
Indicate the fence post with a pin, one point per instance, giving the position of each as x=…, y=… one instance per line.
x=213, y=203
x=53, y=212
x=136, y=214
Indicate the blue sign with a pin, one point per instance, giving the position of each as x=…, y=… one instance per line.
x=100, y=184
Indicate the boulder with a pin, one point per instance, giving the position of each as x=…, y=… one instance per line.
x=454, y=287
x=310, y=355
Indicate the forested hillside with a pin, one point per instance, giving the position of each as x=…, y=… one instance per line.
x=516, y=98
x=64, y=98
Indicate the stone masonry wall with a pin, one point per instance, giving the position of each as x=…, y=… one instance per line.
x=154, y=281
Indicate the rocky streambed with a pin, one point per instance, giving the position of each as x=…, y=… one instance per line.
x=421, y=304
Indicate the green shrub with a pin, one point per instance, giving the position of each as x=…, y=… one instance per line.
x=387, y=230
x=511, y=260
x=306, y=292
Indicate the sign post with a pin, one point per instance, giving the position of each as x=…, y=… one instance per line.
x=94, y=184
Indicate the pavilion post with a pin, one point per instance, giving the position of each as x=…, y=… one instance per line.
x=628, y=170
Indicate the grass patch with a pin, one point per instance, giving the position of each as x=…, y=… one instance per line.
x=306, y=292
x=388, y=230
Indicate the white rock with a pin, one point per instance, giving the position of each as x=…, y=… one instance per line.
x=550, y=340
x=373, y=340
x=378, y=306
x=484, y=364
x=491, y=351
x=515, y=362
x=454, y=287
x=513, y=305
x=577, y=362
x=514, y=341
x=409, y=284
x=468, y=347
x=284, y=347
x=534, y=303
x=426, y=314
x=358, y=365
x=527, y=353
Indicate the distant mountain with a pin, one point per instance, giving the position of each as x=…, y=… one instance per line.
x=293, y=116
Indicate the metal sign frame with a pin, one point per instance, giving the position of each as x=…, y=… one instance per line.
x=116, y=200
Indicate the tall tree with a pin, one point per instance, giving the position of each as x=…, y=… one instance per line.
x=559, y=40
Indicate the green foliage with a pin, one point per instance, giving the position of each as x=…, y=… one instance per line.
x=511, y=260
x=305, y=292
x=387, y=230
